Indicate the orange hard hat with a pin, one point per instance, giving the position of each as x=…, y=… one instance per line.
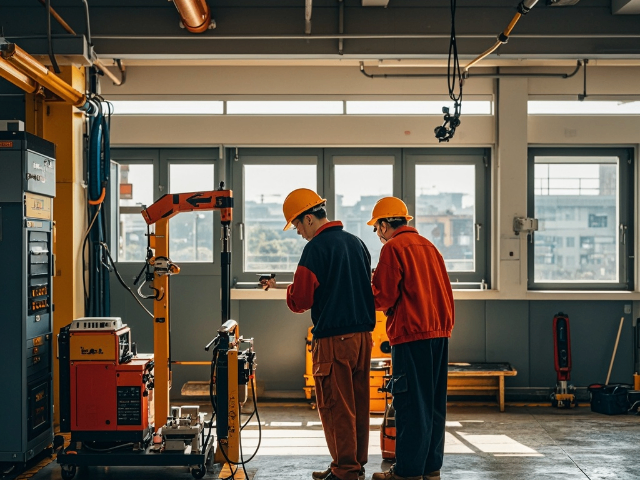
x=389, y=207
x=299, y=201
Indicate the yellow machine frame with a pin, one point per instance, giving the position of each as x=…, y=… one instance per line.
x=159, y=214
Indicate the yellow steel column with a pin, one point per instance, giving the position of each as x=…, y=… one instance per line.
x=62, y=124
x=161, y=329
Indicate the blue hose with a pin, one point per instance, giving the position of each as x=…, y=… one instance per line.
x=99, y=160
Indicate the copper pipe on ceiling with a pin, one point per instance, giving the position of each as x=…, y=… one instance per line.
x=116, y=81
x=15, y=76
x=195, y=14
x=33, y=69
x=59, y=19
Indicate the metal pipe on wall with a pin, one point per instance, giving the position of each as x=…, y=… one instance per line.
x=116, y=81
x=195, y=14
x=366, y=36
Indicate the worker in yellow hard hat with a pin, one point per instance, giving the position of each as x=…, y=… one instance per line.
x=412, y=287
x=333, y=280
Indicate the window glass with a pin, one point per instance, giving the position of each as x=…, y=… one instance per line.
x=267, y=248
x=576, y=204
x=169, y=107
x=445, y=212
x=406, y=107
x=191, y=233
x=136, y=192
x=358, y=188
x=259, y=107
x=598, y=107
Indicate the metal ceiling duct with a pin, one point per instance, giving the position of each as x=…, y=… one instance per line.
x=195, y=14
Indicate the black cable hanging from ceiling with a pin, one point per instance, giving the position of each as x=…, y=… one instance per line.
x=455, y=81
x=52, y=56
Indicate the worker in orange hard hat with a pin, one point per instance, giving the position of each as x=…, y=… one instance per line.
x=389, y=209
x=300, y=201
x=412, y=287
x=333, y=280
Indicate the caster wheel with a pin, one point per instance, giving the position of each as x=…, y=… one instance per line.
x=199, y=472
x=68, y=472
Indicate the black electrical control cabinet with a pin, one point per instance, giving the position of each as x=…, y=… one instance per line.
x=27, y=189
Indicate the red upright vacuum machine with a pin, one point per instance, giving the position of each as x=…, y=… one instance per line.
x=564, y=395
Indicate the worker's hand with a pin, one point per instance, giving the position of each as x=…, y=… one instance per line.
x=267, y=284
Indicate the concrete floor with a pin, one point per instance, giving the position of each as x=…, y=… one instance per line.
x=481, y=443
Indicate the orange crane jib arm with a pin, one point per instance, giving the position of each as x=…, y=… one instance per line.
x=171, y=204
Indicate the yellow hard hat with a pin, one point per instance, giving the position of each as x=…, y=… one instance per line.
x=389, y=207
x=299, y=201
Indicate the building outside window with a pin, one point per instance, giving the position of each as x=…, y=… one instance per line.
x=135, y=192
x=357, y=189
x=266, y=247
x=451, y=208
x=580, y=196
x=191, y=233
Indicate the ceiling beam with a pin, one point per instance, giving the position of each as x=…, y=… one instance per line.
x=135, y=30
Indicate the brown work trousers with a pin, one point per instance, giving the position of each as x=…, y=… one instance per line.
x=341, y=367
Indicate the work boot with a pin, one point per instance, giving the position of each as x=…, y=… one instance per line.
x=391, y=475
x=323, y=475
x=433, y=475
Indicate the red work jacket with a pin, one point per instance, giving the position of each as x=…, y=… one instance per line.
x=412, y=287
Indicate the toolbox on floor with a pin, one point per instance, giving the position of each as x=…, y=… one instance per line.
x=609, y=399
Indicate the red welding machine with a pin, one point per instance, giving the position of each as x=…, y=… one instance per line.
x=109, y=394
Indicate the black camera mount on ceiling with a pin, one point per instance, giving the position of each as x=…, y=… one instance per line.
x=444, y=133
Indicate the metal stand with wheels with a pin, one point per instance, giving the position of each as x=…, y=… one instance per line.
x=70, y=459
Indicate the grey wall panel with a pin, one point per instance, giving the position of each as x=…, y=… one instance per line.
x=469, y=332
x=593, y=326
x=235, y=309
x=124, y=306
x=518, y=332
x=508, y=338
x=195, y=318
x=12, y=102
x=279, y=342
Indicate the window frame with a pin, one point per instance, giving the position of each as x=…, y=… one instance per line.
x=359, y=156
x=259, y=156
x=626, y=214
x=161, y=159
x=126, y=156
x=194, y=156
x=480, y=158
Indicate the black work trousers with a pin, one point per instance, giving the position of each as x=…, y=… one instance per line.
x=420, y=400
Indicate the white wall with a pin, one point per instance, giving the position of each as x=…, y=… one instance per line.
x=508, y=133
